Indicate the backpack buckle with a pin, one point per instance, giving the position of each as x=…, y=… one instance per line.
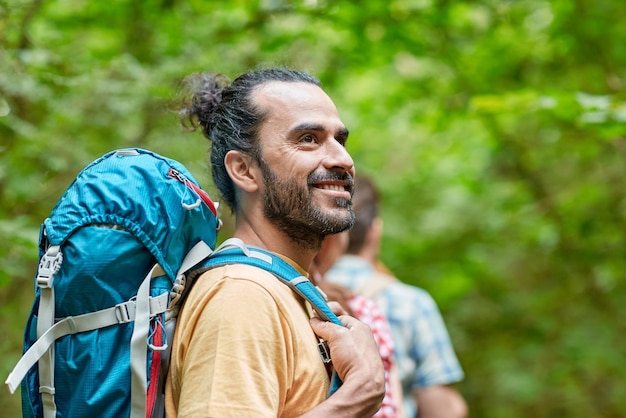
x=324, y=350
x=123, y=313
x=48, y=266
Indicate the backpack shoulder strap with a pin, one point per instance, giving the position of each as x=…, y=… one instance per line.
x=235, y=251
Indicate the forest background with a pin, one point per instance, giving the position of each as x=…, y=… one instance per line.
x=495, y=130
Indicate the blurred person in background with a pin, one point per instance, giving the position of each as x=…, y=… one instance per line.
x=426, y=361
x=368, y=312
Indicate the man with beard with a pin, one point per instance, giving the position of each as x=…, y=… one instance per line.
x=246, y=344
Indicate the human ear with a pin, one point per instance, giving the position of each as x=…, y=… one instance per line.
x=242, y=170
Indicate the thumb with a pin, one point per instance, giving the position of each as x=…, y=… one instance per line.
x=324, y=329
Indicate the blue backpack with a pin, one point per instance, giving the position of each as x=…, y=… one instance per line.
x=116, y=256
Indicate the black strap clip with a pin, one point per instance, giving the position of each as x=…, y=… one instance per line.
x=322, y=346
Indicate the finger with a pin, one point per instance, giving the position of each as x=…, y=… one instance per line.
x=325, y=329
x=336, y=308
x=349, y=321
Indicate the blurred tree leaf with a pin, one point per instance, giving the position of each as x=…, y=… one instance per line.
x=493, y=128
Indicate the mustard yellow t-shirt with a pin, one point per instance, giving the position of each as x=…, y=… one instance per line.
x=244, y=347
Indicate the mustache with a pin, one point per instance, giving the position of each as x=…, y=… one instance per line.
x=331, y=176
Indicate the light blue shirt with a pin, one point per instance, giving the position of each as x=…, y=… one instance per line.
x=424, y=352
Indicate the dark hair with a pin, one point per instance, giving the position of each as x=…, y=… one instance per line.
x=228, y=116
x=365, y=203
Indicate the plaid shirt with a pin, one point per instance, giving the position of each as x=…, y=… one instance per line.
x=423, y=350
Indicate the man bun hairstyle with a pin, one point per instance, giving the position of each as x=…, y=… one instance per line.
x=229, y=118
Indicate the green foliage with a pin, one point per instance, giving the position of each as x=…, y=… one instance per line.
x=495, y=130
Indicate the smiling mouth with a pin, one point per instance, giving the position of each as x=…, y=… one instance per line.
x=333, y=187
x=332, y=182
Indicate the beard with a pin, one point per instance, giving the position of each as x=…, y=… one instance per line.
x=292, y=210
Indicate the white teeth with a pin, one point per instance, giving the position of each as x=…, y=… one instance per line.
x=332, y=187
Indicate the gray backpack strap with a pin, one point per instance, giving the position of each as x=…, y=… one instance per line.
x=48, y=267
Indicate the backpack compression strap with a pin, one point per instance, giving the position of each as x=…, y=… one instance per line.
x=234, y=251
x=139, y=309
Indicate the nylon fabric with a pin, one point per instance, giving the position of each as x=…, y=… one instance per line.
x=123, y=213
x=110, y=193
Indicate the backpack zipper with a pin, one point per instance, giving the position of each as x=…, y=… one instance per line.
x=173, y=173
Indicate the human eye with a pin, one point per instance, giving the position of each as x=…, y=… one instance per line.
x=342, y=136
x=307, y=139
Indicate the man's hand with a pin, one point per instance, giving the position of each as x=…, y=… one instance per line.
x=356, y=359
x=352, y=347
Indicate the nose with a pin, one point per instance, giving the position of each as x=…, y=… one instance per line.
x=338, y=157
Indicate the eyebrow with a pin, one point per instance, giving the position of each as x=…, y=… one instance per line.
x=343, y=132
